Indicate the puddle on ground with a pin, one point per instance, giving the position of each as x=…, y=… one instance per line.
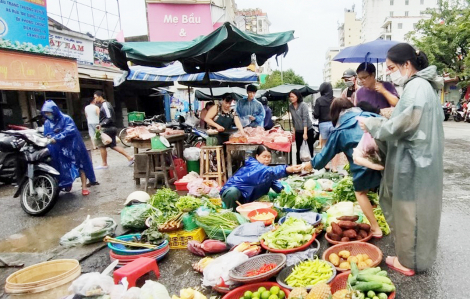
x=39, y=238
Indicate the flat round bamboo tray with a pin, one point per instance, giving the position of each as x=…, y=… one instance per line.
x=355, y=248
x=239, y=273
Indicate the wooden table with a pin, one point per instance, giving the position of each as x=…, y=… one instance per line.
x=244, y=147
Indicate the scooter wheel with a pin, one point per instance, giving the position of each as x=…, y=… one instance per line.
x=47, y=191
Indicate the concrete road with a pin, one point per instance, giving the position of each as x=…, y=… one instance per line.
x=32, y=240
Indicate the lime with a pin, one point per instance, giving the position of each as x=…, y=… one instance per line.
x=241, y=298
x=261, y=290
x=282, y=295
x=248, y=294
x=256, y=295
x=273, y=297
x=265, y=295
x=274, y=290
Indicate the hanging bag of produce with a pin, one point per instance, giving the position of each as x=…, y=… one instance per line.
x=367, y=153
x=305, y=152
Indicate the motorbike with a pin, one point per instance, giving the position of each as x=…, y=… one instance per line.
x=447, y=108
x=38, y=188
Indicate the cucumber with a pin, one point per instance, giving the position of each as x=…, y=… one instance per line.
x=352, y=279
x=386, y=288
x=382, y=273
x=367, y=286
x=370, y=278
x=370, y=271
x=354, y=269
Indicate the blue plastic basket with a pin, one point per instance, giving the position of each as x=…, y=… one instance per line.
x=291, y=210
x=318, y=220
x=122, y=250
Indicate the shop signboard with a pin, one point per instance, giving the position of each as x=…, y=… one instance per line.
x=71, y=46
x=25, y=71
x=101, y=53
x=178, y=22
x=23, y=25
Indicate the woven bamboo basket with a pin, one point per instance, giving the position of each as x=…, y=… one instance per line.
x=355, y=248
x=239, y=273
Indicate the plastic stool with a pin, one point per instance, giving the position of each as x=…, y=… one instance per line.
x=134, y=270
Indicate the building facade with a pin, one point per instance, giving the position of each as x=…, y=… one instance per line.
x=349, y=32
x=392, y=19
x=333, y=70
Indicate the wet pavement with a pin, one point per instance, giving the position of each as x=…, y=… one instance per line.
x=30, y=240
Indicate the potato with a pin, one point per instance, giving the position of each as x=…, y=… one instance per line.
x=345, y=265
x=369, y=262
x=359, y=258
x=352, y=259
x=365, y=257
x=344, y=254
x=334, y=259
x=362, y=265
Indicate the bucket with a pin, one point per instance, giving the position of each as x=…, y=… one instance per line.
x=157, y=143
x=193, y=166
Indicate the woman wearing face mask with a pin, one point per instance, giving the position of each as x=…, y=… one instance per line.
x=69, y=154
x=379, y=94
x=254, y=180
x=413, y=140
x=223, y=119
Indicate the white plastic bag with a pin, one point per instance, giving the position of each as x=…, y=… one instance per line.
x=90, y=231
x=191, y=120
x=92, y=284
x=153, y=290
x=192, y=154
x=305, y=155
x=220, y=267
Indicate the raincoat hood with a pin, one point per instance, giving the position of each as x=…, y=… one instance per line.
x=430, y=74
x=326, y=90
x=51, y=106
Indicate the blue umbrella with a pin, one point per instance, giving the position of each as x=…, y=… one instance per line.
x=374, y=52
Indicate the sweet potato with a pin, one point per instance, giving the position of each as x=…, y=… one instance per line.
x=349, y=218
x=334, y=237
x=363, y=234
x=345, y=239
x=336, y=229
x=347, y=224
x=364, y=226
x=350, y=233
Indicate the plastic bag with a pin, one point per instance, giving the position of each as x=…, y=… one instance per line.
x=367, y=153
x=134, y=216
x=192, y=154
x=310, y=217
x=219, y=268
x=92, y=284
x=153, y=290
x=248, y=232
x=304, y=154
x=301, y=256
x=90, y=231
x=191, y=120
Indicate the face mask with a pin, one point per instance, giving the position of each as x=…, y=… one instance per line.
x=397, y=78
x=349, y=83
x=50, y=116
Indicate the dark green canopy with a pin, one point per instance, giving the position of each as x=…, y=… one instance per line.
x=226, y=47
x=281, y=92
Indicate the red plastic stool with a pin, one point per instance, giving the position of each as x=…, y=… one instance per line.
x=134, y=270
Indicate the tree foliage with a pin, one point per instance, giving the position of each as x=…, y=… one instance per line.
x=340, y=84
x=445, y=38
x=273, y=80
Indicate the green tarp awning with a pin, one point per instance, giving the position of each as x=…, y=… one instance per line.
x=224, y=48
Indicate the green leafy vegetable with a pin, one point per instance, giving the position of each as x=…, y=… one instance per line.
x=294, y=232
x=344, y=191
x=153, y=236
x=381, y=220
x=164, y=202
x=224, y=220
x=188, y=203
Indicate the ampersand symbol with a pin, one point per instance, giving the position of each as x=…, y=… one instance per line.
x=182, y=32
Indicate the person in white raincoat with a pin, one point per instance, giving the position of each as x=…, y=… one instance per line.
x=413, y=142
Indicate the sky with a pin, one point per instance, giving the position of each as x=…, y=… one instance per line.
x=315, y=23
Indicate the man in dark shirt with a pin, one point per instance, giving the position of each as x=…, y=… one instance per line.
x=107, y=126
x=268, y=122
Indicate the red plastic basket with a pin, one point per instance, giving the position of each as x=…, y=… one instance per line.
x=291, y=250
x=181, y=186
x=261, y=211
x=240, y=291
x=340, y=282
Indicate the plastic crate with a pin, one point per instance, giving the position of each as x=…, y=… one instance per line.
x=181, y=186
x=135, y=116
x=180, y=239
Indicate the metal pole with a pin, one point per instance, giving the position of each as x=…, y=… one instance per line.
x=119, y=15
x=282, y=76
x=189, y=97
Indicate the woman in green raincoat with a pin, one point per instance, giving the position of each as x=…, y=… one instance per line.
x=413, y=141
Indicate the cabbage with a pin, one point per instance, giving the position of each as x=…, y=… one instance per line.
x=310, y=184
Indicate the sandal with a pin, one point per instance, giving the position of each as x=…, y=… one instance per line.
x=390, y=261
x=85, y=192
x=92, y=184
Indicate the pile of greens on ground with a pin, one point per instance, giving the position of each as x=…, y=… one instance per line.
x=344, y=191
x=153, y=236
x=164, y=203
x=293, y=233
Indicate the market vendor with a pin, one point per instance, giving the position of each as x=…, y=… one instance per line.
x=223, y=119
x=344, y=138
x=254, y=180
x=251, y=111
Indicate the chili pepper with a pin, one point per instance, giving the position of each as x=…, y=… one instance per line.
x=263, y=269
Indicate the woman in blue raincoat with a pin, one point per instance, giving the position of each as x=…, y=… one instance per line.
x=255, y=178
x=68, y=152
x=344, y=138
x=413, y=137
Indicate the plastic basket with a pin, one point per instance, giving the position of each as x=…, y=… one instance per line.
x=180, y=239
x=267, y=222
x=340, y=282
x=135, y=116
x=281, y=277
x=122, y=250
x=290, y=250
x=181, y=186
x=239, y=272
x=240, y=291
x=355, y=248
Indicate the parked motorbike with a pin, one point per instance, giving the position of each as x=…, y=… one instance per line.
x=37, y=184
x=447, y=108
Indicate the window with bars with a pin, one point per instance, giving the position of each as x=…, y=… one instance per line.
x=406, y=13
x=407, y=2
